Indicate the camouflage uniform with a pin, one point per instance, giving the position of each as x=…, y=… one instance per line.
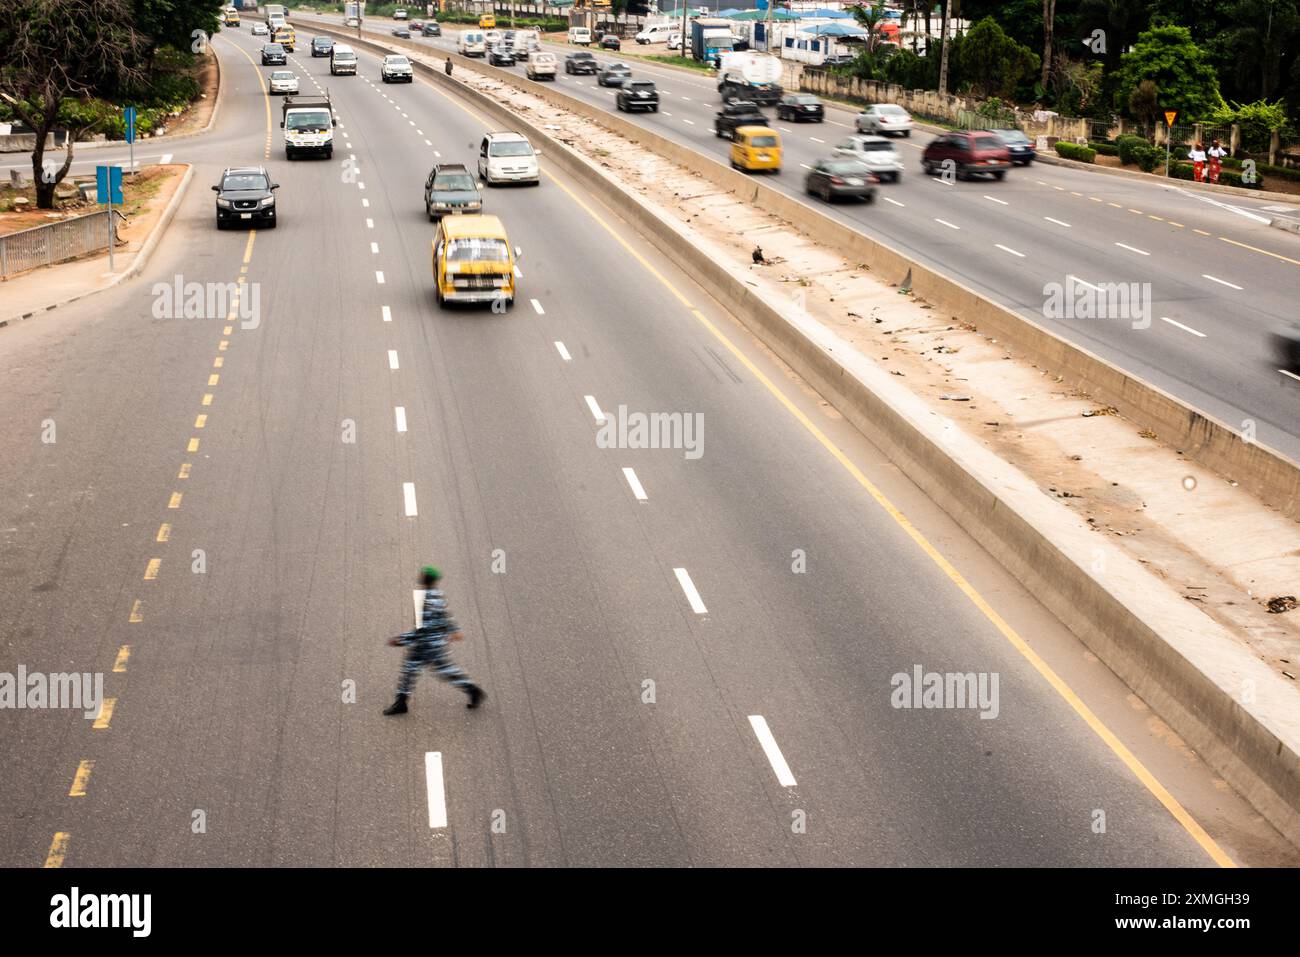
x=427, y=646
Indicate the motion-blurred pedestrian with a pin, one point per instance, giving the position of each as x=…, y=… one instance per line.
x=1197, y=156
x=427, y=647
x=1216, y=154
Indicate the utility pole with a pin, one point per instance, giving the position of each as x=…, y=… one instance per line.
x=943, y=56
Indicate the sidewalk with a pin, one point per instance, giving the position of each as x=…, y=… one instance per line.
x=41, y=290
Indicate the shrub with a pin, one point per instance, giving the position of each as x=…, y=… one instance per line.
x=1127, y=147
x=1106, y=149
x=1074, y=151
x=1147, y=157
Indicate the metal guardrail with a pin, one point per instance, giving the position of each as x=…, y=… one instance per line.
x=56, y=242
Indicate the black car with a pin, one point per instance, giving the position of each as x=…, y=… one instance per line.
x=273, y=55
x=614, y=74
x=637, y=95
x=1020, y=146
x=403, y=32
x=432, y=30
x=797, y=107
x=837, y=178
x=321, y=46
x=246, y=195
x=501, y=55
x=582, y=62
x=734, y=114
x=610, y=42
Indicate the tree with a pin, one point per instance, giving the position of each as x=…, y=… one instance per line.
x=55, y=50
x=1261, y=33
x=993, y=63
x=1049, y=26
x=1144, y=102
x=1179, y=68
x=872, y=20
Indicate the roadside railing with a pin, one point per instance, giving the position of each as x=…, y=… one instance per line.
x=56, y=242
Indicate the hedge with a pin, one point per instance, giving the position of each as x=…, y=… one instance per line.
x=1074, y=151
x=1105, y=149
x=1127, y=147
x=1227, y=177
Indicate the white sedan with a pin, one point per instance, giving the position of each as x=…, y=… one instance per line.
x=260, y=30
x=884, y=118
x=284, y=81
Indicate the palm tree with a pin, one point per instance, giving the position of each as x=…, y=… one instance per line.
x=870, y=20
x=912, y=11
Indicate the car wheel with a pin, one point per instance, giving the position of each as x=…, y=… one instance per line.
x=329, y=153
x=826, y=195
x=928, y=167
x=271, y=224
x=869, y=198
x=907, y=134
x=1000, y=174
x=220, y=223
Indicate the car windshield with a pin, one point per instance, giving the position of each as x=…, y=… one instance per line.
x=244, y=181
x=317, y=121
x=511, y=148
x=341, y=57
x=273, y=48
x=985, y=141
x=398, y=61
x=643, y=87
x=454, y=182
x=278, y=75
x=763, y=141
x=804, y=100
x=847, y=168
x=1012, y=136
x=867, y=146
x=891, y=110
x=477, y=250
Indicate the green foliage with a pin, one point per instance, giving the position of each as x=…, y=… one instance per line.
x=1167, y=56
x=1127, y=147
x=1258, y=120
x=993, y=63
x=1106, y=149
x=908, y=70
x=1073, y=151
x=1149, y=157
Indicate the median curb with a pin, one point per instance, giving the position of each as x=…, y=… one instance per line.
x=1239, y=191
x=1225, y=703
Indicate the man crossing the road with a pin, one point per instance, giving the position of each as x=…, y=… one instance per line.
x=426, y=647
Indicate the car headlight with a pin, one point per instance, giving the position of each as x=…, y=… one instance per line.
x=268, y=201
x=223, y=203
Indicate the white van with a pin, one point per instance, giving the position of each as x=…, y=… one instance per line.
x=343, y=60
x=580, y=36
x=540, y=65
x=471, y=43
x=525, y=41
x=658, y=33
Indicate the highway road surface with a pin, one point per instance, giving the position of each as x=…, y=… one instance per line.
x=689, y=660
x=1221, y=281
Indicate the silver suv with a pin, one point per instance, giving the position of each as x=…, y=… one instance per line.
x=396, y=69
x=876, y=152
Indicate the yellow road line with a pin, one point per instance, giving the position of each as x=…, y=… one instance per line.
x=1200, y=231
x=1116, y=205
x=213, y=379
x=200, y=421
x=123, y=655
x=227, y=330
x=1256, y=249
x=218, y=362
x=266, y=98
x=1117, y=747
x=175, y=501
x=135, y=617
x=151, y=570
x=58, y=849
x=193, y=446
x=223, y=345
x=207, y=398
x=81, y=779
x=164, y=532
x=184, y=473
x=1179, y=225
x=1154, y=216
x=105, y=714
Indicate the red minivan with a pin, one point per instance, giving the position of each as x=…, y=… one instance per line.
x=970, y=152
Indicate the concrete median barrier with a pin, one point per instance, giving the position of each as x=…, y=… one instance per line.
x=1226, y=704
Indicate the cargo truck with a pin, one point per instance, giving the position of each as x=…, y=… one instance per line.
x=710, y=39
x=308, y=124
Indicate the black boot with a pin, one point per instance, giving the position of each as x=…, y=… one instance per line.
x=476, y=696
x=397, y=707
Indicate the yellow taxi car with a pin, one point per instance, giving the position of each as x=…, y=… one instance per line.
x=232, y=18
x=487, y=22
x=473, y=260
x=756, y=148
x=286, y=37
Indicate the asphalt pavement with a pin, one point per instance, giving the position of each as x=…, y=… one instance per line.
x=689, y=660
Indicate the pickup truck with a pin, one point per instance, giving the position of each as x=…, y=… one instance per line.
x=734, y=114
x=308, y=124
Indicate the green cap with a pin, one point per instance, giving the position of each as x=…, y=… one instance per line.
x=430, y=572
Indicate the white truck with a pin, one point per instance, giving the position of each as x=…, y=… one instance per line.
x=750, y=76
x=308, y=124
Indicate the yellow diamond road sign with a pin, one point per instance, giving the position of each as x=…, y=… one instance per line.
x=1170, y=116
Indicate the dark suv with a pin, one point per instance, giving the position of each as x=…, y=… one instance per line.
x=637, y=95
x=734, y=114
x=273, y=55
x=967, y=154
x=451, y=188
x=582, y=62
x=321, y=46
x=246, y=194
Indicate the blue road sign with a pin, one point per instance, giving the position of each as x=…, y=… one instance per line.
x=128, y=115
x=108, y=184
